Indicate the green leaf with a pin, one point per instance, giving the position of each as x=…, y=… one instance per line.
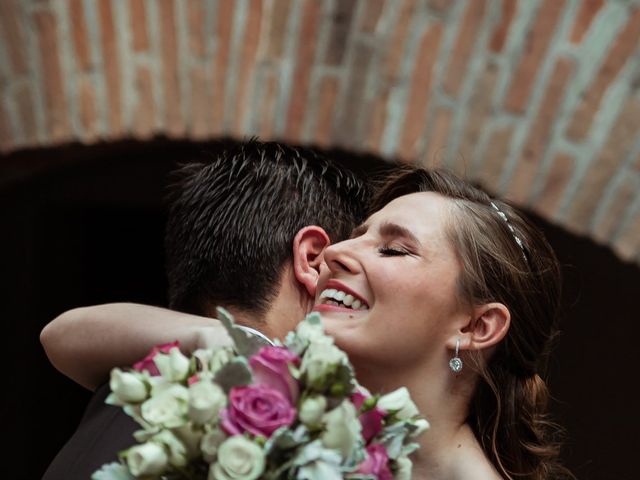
x=235, y=373
x=245, y=343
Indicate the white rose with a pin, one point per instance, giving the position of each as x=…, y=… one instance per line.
x=210, y=443
x=238, y=458
x=146, y=459
x=177, y=450
x=190, y=436
x=168, y=408
x=312, y=409
x=206, y=399
x=321, y=359
x=173, y=366
x=399, y=402
x=310, y=330
x=127, y=387
x=404, y=468
x=342, y=429
x=423, y=426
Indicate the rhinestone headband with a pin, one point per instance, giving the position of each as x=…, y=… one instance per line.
x=503, y=216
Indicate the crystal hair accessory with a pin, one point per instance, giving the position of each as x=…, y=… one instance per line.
x=503, y=216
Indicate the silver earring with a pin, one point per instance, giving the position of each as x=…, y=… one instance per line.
x=455, y=364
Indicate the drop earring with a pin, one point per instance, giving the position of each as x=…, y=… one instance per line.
x=455, y=364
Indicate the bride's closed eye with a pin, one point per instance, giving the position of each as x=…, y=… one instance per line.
x=392, y=251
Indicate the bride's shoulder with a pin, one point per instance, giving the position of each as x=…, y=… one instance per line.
x=471, y=463
x=475, y=466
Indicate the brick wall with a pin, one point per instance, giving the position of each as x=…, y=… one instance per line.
x=537, y=99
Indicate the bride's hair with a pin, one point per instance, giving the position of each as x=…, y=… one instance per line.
x=505, y=259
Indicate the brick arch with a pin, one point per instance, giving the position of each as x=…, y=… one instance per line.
x=538, y=100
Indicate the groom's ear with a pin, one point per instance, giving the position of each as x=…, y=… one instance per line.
x=308, y=248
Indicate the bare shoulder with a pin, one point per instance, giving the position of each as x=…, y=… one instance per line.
x=475, y=466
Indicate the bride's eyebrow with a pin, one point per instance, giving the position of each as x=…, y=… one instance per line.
x=359, y=230
x=389, y=229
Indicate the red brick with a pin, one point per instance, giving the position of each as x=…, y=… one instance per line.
x=79, y=35
x=26, y=111
x=138, y=17
x=111, y=68
x=57, y=115
x=499, y=37
x=538, y=40
x=420, y=91
x=88, y=110
x=311, y=16
x=555, y=185
x=540, y=132
x=628, y=243
x=396, y=48
x=144, y=111
x=267, y=107
x=497, y=152
x=463, y=47
x=6, y=135
x=278, y=20
x=588, y=10
x=329, y=87
x=199, y=111
x=224, y=23
x=174, y=123
x=477, y=115
x=340, y=29
x=600, y=172
x=247, y=65
x=440, y=5
x=624, y=196
x=196, y=16
x=622, y=48
x=377, y=119
x=347, y=129
x=10, y=24
x=438, y=141
x=372, y=12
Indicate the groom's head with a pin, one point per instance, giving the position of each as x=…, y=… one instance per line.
x=235, y=220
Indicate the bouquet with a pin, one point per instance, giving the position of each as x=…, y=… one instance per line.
x=287, y=411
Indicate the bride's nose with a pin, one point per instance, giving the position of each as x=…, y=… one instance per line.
x=341, y=257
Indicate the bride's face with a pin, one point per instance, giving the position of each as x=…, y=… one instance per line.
x=399, y=271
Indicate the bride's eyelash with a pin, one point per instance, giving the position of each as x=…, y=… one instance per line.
x=392, y=252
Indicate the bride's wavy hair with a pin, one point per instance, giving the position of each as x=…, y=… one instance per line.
x=509, y=409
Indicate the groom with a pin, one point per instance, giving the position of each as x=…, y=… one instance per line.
x=246, y=231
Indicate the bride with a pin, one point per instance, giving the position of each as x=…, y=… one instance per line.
x=455, y=296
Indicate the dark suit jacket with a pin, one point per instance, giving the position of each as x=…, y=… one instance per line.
x=103, y=432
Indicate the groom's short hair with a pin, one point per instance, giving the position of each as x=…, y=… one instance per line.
x=232, y=219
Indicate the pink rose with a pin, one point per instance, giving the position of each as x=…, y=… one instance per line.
x=147, y=362
x=376, y=463
x=371, y=420
x=257, y=409
x=271, y=367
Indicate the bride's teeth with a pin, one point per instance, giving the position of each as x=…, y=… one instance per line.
x=331, y=292
x=356, y=304
x=340, y=296
x=348, y=300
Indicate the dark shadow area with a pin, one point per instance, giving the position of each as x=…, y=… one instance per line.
x=84, y=225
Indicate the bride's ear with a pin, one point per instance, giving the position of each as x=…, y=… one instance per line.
x=488, y=326
x=308, y=249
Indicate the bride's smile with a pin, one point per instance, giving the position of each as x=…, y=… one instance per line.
x=387, y=293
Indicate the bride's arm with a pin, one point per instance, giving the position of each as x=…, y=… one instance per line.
x=86, y=343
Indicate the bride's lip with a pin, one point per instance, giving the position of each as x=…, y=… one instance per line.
x=324, y=307
x=335, y=284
